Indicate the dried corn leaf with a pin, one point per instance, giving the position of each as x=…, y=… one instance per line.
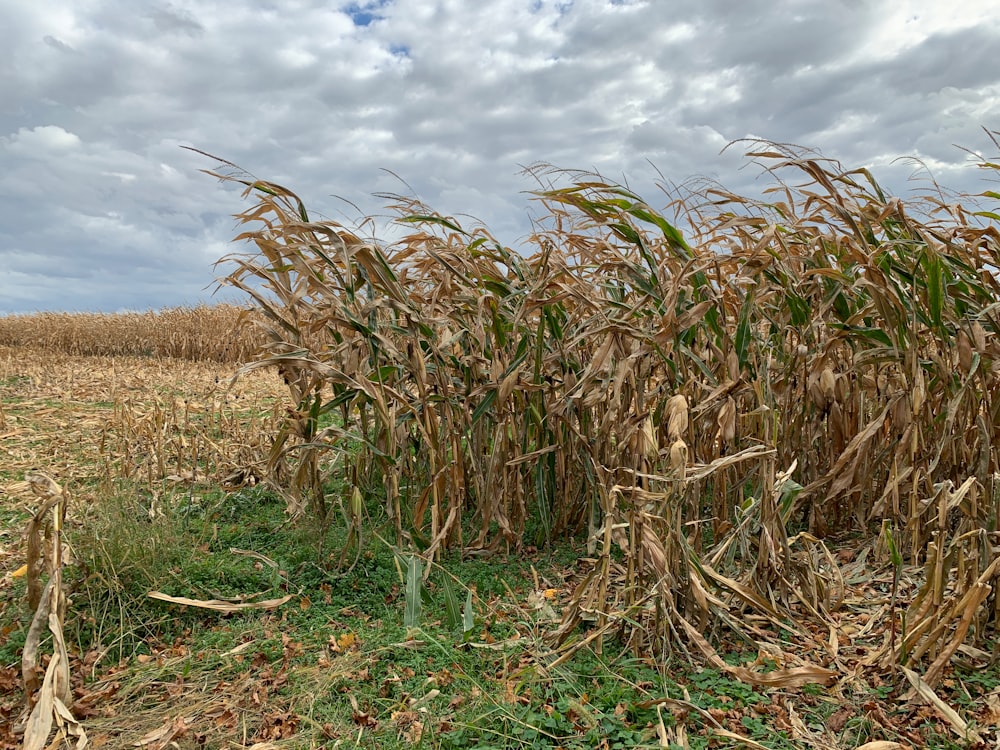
x=793, y=677
x=164, y=736
x=955, y=721
x=787, y=678
x=218, y=605
x=39, y=725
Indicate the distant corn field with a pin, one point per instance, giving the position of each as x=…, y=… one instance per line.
x=202, y=333
x=713, y=398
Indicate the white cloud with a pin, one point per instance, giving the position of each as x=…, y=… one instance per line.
x=41, y=141
x=454, y=97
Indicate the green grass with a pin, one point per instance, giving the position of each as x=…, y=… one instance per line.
x=335, y=663
x=486, y=687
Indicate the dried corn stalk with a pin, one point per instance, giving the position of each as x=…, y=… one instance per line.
x=832, y=328
x=47, y=699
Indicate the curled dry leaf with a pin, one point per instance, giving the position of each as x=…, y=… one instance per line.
x=162, y=736
x=794, y=677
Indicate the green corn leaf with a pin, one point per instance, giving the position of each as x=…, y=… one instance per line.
x=699, y=363
x=421, y=219
x=414, y=584
x=743, y=332
x=626, y=232
x=264, y=189
x=890, y=542
x=670, y=232
x=789, y=491
x=468, y=614
x=384, y=373
x=798, y=308
x=452, y=609
x=935, y=287
x=499, y=287
x=874, y=334
x=841, y=307
x=484, y=406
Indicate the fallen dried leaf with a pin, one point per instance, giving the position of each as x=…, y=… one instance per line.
x=159, y=738
x=217, y=605
x=956, y=722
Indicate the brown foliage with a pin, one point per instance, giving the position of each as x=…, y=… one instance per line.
x=202, y=333
x=823, y=360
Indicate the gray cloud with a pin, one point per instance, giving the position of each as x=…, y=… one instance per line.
x=102, y=209
x=171, y=20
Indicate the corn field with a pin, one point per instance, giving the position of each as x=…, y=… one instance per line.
x=714, y=395
x=201, y=333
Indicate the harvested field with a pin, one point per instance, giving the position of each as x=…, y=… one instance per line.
x=69, y=416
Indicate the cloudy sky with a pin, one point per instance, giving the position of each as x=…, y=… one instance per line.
x=101, y=208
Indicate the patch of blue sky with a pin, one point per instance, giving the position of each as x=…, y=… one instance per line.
x=365, y=13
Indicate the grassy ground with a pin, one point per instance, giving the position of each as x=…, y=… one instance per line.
x=335, y=664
